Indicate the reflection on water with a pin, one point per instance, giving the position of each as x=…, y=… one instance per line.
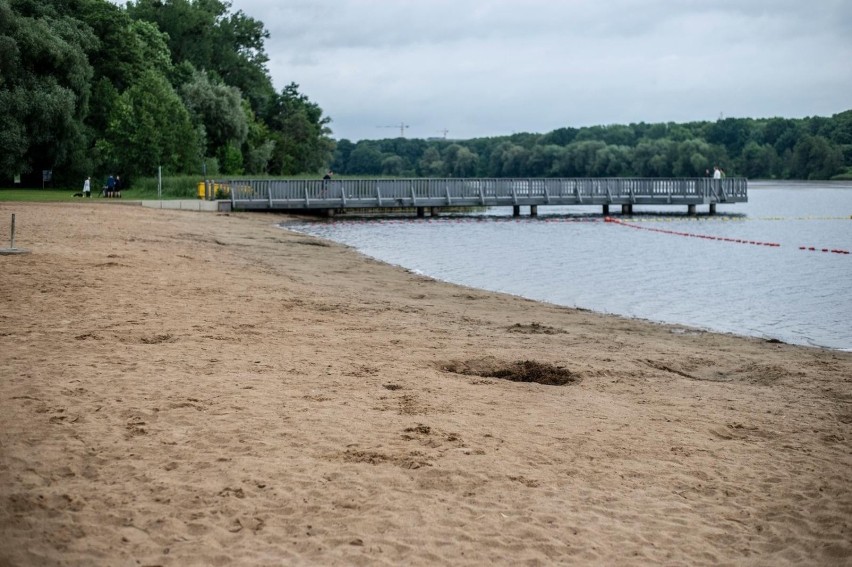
x=664, y=267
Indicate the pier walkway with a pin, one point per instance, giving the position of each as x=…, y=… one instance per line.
x=422, y=194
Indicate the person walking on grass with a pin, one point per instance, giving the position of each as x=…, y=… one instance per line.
x=87, y=187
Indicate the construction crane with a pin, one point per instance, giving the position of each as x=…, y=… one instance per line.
x=402, y=126
x=444, y=132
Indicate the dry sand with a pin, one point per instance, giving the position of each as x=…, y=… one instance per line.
x=187, y=388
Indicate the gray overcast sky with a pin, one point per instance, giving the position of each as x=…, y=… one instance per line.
x=494, y=67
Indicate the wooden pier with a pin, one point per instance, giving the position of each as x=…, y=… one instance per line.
x=432, y=195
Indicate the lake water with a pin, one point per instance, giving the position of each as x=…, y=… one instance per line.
x=662, y=265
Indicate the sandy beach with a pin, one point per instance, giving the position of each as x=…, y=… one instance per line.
x=182, y=388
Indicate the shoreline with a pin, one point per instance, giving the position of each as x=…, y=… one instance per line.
x=296, y=224
x=184, y=388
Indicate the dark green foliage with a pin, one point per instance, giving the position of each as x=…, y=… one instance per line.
x=229, y=46
x=88, y=88
x=149, y=127
x=218, y=108
x=815, y=158
x=44, y=88
x=755, y=148
x=300, y=133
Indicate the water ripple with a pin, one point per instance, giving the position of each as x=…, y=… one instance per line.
x=784, y=293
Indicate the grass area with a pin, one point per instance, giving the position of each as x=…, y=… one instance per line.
x=38, y=195
x=144, y=188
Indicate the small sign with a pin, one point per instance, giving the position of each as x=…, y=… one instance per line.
x=17, y=179
x=46, y=175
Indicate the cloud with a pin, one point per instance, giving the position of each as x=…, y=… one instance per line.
x=493, y=67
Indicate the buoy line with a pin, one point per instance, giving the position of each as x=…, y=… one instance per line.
x=722, y=238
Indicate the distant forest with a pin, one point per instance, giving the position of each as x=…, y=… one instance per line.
x=773, y=148
x=91, y=88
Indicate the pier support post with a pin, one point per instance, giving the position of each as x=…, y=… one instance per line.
x=627, y=209
x=421, y=212
x=533, y=210
x=606, y=210
x=516, y=210
x=329, y=213
x=712, y=208
x=690, y=210
x=433, y=211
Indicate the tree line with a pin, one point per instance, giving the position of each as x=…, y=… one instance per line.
x=91, y=88
x=773, y=148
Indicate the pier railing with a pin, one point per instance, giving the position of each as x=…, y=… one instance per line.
x=472, y=192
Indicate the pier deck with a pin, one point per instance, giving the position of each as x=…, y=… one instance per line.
x=435, y=194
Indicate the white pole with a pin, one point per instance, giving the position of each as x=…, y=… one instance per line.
x=160, y=182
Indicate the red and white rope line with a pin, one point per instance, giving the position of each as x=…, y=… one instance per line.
x=605, y=219
x=721, y=238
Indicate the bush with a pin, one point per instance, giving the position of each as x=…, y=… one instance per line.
x=843, y=176
x=174, y=187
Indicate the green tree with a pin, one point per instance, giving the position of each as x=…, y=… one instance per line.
x=150, y=127
x=460, y=161
x=45, y=84
x=691, y=158
x=242, y=61
x=431, y=164
x=189, y=24
x=614, y=134
x=508, y=160
x=578, y=160
x=229, y=46
x=301, y=134
x=652, y=158
x=258, y=146
x=814, y=157
x=126, y=49
x=230, y=159
x=758, y=161
x=733, y=133
x=218, y=108
x=543, y=160
x=343, y=149
x=559, y=137
x=393, y=165
x=609, y=161
x=781, y=133
x=841, y=128
x=365, y=159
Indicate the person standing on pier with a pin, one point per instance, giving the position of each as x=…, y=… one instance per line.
x=717, y=173
x=325, y=179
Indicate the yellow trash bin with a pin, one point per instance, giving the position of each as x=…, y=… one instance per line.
x=201, y=190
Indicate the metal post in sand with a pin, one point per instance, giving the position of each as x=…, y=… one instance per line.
x=11, y=249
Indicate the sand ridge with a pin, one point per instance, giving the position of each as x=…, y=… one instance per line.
x=186, y=388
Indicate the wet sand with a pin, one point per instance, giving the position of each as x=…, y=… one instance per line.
x=184, y=388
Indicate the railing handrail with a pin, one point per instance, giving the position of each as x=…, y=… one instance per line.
x=407, y=192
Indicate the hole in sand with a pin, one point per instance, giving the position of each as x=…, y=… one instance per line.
x=520, y=371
